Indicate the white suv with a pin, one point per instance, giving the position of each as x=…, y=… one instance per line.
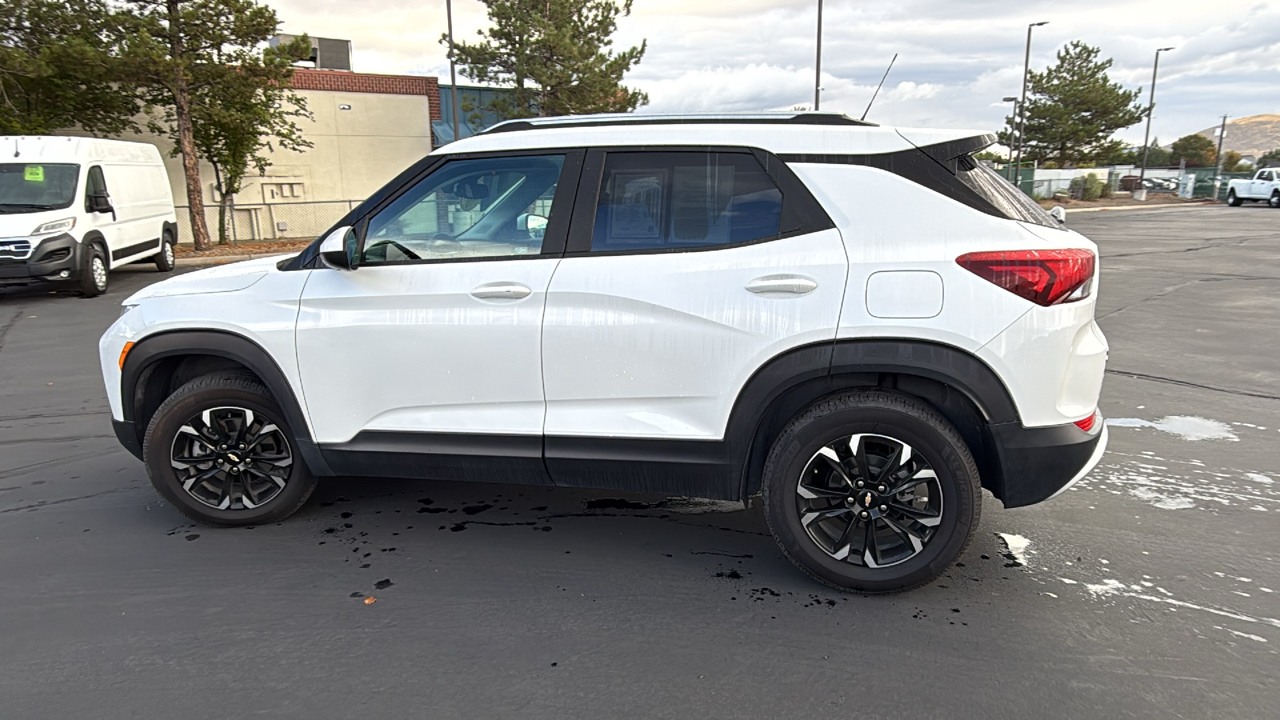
x=862, y=324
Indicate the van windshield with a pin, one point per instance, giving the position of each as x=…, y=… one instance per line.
x=33, y=187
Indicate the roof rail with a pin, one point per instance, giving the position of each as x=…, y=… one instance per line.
x=768, y=118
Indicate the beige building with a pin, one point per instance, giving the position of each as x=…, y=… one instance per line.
x=365, y=129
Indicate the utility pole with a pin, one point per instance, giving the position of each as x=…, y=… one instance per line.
x=453, y=76
x=1151, y=106
x=1021, y=108
x=1008, y=167
x=817, y=65
x=1222, y=134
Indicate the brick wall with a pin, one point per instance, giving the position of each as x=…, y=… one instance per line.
x=342, y=81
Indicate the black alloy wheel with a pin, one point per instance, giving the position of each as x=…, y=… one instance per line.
x=870, y=500
x=231, y=458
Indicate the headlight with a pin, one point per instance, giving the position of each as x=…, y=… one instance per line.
x=124, y=309
x=55, y=226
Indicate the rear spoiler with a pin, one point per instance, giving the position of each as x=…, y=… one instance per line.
x=948, y=154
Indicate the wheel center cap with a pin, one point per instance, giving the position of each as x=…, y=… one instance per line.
x=866, y=498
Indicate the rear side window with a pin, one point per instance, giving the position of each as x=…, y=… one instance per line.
x=673, y=200
x=1001, y=194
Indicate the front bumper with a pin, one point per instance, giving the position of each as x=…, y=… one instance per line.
x=1039, y=463
x=47, y=261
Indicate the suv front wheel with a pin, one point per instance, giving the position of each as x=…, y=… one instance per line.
x=871, y=491
x=220, y=450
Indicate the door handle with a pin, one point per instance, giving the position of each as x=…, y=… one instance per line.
x=501, y=291
x=782, y=284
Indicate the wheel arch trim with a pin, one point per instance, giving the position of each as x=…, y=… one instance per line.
x=231, y=346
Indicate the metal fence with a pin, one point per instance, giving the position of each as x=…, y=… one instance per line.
x=270, y=221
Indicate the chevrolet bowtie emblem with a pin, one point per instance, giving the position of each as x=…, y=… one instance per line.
x=866, y=499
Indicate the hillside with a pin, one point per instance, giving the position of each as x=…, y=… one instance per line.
x=1250, y=135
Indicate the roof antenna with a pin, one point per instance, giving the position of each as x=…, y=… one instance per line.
x=877, y=92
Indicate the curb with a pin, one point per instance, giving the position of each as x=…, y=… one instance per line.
x=220, y=259
x=1160, y=206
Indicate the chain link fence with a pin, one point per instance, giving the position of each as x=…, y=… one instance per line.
x=269, y=221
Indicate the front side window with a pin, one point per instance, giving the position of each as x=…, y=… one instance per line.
x=481, y=208
x=674, y=200
x=33, y=187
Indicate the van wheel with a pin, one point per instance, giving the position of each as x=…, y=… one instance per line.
x=93, y=273
x=165, y=259
x=220, y=450
x=871, y=491
x=1232, y=199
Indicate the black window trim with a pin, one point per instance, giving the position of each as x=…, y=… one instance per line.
x=553, y=240
x=802, y=214
x=88, y=183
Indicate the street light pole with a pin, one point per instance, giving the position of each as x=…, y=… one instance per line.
x=1008, y=171
x=817, y=65
x=1151, y=106
x=1021, y=108
x=1222, y=135
x=453, y=76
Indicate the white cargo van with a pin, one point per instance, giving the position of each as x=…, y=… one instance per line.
x=75, y=208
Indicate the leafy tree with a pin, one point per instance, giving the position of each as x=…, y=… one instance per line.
x=1196, y=149
x=1231, y=161
x=57, y=68
x=1270, y=158
x=250, y=112
x=1073, y=108
x=183, y=54
x=556, y=54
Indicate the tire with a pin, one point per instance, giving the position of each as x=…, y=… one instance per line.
x=165, y=260
x=1232, y=200
x=275, y=489
x=94, y=270
x=1274, y=200
x=882, y=419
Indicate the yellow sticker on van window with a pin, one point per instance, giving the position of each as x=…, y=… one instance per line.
x=33, y=173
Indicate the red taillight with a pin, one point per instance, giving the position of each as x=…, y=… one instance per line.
x=1045, y=277
x=1087, y=423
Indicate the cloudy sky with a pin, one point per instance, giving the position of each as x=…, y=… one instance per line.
x=957, y=58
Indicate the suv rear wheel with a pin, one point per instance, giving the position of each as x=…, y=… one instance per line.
x=220, y=451
x=871, y=491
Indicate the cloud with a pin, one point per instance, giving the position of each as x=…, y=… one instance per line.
x=956, y=59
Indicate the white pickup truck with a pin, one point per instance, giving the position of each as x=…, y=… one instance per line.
x=1265, y=185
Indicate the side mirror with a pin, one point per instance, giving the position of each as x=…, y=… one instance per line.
x=531, y=223
x=340, y=249
x=1059, y=214
x=100, y=203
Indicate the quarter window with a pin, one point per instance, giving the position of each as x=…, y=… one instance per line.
x=482, y=208
x=673, y=200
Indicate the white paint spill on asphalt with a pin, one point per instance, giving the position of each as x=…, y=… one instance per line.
x=1181, y=485
x=1240, y=634
x=1188, y=427
x=1017, y=549
x=1112, y=587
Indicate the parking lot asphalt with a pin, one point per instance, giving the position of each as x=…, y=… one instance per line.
x=1152, y=589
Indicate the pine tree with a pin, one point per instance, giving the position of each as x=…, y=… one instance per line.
x=556, y=56
x=1073, y=109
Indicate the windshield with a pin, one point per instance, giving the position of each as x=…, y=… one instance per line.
x=32, y=187
x=1003, y=196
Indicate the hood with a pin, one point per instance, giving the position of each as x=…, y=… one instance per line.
x=20, y=224
x=223, y=278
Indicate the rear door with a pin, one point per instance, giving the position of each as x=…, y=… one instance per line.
x=686, y=270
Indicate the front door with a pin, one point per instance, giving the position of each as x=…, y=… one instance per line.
x=103, y=222
x=432, y=348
